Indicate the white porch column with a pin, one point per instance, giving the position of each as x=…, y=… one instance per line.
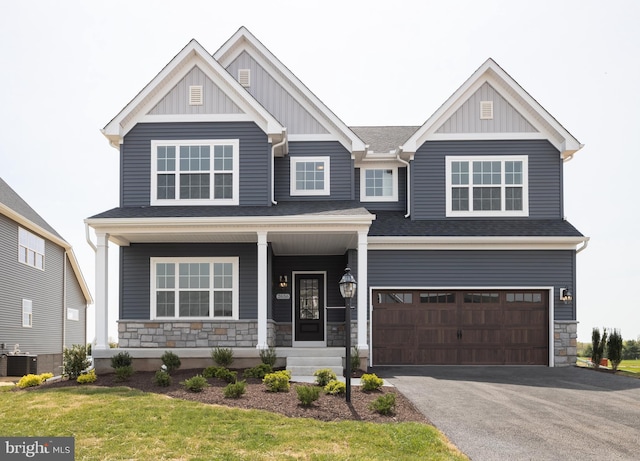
x=262, y=290
x=363, y=288
x=102, y=291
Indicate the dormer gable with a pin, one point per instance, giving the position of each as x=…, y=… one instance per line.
x=283, y=94
x=170, y=97
x=492, y=105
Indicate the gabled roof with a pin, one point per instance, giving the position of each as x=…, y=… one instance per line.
x=384, y=139
x=243, y=40
x=16, y=209
x=547, y=126
x=191, y=55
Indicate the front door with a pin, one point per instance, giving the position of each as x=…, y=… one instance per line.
x=309, y=308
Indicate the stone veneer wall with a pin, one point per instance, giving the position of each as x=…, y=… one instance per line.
x=335, y=334
x=565, y=337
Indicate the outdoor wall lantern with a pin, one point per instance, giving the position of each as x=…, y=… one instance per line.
x=565, y=295
x=283, y=281
x=347, y=290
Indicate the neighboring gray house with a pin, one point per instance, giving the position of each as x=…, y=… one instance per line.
x=43, y=296
x=243, y=199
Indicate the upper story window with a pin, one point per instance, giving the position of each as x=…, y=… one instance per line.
x=310, y=176
x=205, y=288
x=30, y=249
x=378, y=184
x=202, y=172
x=487, y=186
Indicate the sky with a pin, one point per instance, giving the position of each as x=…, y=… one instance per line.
x=68, y=67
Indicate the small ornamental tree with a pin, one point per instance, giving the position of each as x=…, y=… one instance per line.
x=614, y=348
x=598, y=343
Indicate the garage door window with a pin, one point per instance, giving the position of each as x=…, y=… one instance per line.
x=524, y=297
x=395, y=298
x=482, y=298
x=437, y=298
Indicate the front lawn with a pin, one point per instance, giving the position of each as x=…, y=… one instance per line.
x=121, y=423
x=632, y=366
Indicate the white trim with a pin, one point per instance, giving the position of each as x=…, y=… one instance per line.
x=234, y=260
x=212, y=143
x=449, y=159
x=262, y=268
x=474, y=243
x=364, y=167
x=323, y=308
x=550, y=290
x=312, y=137
x=164, y=118
x=294, y=160
x=485, y=136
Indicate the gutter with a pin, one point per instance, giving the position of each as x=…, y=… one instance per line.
x=273, y=153
x=408, y=182
x=584, y=246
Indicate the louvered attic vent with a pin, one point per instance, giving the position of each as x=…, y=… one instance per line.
x=486, y=110
x=244, y=77
x=195, y=95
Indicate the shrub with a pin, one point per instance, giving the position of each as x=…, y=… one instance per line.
x=307, y=394
x=74, y=361
x=614, y=348
x=335, y=387
x=323, y=376
x=87, y=378
x=235, y=390
x=195, y=384
x=211, y=372
x=370, y=382
x=385, y=404
x=598, y=342
x=268, y=356
x=30, y=380
x=124, y=373
x=277, y=381
x=222, y=356
x=46, y=376
x=259, y=371
x=162, y=378
x=355, y=358
x=171, y=361
x=227, y=375
x=121, y=359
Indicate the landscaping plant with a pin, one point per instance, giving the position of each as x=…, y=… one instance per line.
x=235, y=390
x=385, y=404
x=32, y=380
x=278, y=381
x=323, y=376
x=307, y=394
x=259, y=371
x=370, y=382
x=124, y=373
x=335, y=387
x=87, y=378
x=268, y=356
x=614, y=348
x=222, y=356
x=121, y=359
x=162, y=378
x=195, y=384
x=74, y=361
x=355, y=359
x=171, y=361
x=598, y=343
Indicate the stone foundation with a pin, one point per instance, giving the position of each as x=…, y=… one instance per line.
x=565, y=337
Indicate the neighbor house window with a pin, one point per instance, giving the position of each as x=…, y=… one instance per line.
x=203, y=172
x=204, y=288
x=30, y=249
x=487, y=186
x=27, y=313
x=310, y=176
x=378, y=184
x=73, y=314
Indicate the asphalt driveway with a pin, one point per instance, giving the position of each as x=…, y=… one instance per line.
x=527, y=413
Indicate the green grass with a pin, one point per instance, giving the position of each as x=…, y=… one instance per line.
x=121, y=423
x=632, y=366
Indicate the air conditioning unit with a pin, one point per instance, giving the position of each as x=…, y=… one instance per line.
x=20, y=365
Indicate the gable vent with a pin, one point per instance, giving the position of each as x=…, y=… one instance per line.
x=486, y=110
x=195, y=95
x=244, y=77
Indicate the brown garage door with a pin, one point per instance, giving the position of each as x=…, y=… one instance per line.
x=472, y=327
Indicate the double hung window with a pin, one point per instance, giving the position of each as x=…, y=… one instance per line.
x=203, y=172
x=487, y=186
x=204, y=288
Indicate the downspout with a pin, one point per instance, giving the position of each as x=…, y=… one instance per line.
x=273, y=161
x=91, y=244
x=408, y=183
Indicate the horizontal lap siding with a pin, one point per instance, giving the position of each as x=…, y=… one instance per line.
x=456, y=268
x=135, y=294
x=428, y=174
x=135, y=157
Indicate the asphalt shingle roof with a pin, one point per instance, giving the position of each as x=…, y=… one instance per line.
x=383, y=139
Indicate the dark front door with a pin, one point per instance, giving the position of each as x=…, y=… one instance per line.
x=309, y=307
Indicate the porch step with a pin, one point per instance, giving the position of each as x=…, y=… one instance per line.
x=306, y=366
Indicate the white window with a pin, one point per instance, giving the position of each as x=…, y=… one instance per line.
x=194, y=288
x=73, y=314
x=378, y=184
x=203, y=172
x=30, y=249
x=310, y=176
x=487, y=186
x=27, y=313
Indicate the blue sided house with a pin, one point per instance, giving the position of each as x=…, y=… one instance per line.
x=243, y=198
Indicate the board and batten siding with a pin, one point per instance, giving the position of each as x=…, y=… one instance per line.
x=135, y=267
x=399, y=205
x=255, y=157
x=428, y=175
x=276, y=99
x=341, y=172
x=44, y=288
x=462, y=268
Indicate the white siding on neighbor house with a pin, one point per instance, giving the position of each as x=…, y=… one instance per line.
x=281, y=104
x=506, y=119
x=215, y=101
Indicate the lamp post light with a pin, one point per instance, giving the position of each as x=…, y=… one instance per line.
x=347, y=290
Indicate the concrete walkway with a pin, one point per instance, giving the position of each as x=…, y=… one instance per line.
x=527, y=413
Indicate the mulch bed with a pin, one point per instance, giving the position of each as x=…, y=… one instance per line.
x=326, y=408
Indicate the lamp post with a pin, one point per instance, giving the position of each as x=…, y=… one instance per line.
x=347, y=290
